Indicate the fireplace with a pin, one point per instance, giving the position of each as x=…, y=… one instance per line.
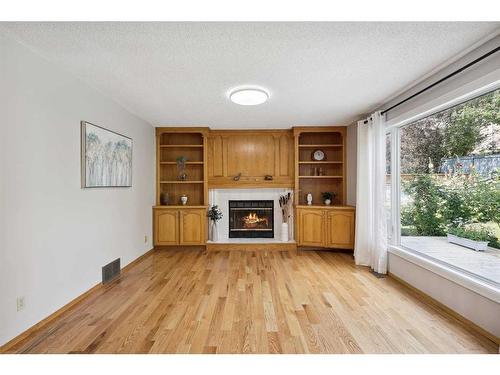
x=251, y=219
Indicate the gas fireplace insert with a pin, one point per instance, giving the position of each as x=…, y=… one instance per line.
x=251, y=219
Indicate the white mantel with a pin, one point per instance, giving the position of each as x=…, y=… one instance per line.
x=221, y=198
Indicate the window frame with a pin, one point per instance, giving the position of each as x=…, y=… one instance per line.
x=393, y=127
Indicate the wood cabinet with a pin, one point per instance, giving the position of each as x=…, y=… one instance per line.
x=340, y=229
x=311, y=227
x=166, y=224
x=330, y=227
x=179, y=226
x=192, y=225
x=251, y=155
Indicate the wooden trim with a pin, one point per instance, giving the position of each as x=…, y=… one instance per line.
x=285, y=246
x=179, y=129
x=228, y=132
x=249, y=184
x=469, y=325
x=176, y=207
x=319, y=129
x=136, y=260
x=8, y=345
x=325, y=207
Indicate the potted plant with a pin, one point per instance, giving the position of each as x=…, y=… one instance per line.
x=328, y=197
x=476, y=239
x=285, y=202
x=214, y=214
x=181, y=167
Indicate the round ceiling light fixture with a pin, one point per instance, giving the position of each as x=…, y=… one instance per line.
x=249, y=96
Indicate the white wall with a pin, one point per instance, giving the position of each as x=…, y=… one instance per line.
x=55, y=236
x=481, y=310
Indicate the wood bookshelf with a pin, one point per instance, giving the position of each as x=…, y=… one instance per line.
x=330, y=140
x=172, y=143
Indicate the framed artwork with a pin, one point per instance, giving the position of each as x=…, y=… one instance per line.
x=106, y=157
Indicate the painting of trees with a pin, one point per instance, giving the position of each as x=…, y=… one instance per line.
x=107, y=159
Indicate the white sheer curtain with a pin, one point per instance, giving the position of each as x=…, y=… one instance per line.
x=371, y=232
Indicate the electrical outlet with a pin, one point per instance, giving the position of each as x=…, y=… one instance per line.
x=20, y=303
x=145, y=239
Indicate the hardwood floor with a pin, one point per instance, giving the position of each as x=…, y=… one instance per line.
x=192, y=301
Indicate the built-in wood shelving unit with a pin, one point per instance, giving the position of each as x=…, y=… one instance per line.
x=190, y=143
x=314, y=176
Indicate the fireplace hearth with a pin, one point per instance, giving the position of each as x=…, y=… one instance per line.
x=251, y=219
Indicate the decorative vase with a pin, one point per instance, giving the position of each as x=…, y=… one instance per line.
x=164, y=199
x=309, y=199
x=184, y=199
x=284, y=232
x=328, y=202
x=214, y=231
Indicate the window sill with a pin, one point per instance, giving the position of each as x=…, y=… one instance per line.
x=448, y=272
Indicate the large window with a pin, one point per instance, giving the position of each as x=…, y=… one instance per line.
x=450, y=184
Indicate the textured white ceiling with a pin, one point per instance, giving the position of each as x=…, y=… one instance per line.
x=316, y=73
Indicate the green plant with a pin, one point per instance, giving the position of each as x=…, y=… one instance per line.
x=327, y=195
x=181, y=160
x=458, y=202
x=427, y=202
x=485, y=196
x=214, y=213
x=407, y=216
x=479, y=234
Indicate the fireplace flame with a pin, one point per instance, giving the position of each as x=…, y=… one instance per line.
x=252, y=220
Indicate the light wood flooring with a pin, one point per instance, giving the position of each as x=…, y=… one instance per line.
x=192, y=301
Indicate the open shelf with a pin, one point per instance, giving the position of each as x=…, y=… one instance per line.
x=316, y=177
x=320, y=162
x=181, y=142
x=321, y=177
x=321, y=145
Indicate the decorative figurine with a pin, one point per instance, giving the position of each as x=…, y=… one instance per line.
x=309, y=199
x=181, y=168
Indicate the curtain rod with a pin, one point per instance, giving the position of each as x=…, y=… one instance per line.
x=442, y=79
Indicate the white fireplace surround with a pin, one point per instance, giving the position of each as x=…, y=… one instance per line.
x=221, y=198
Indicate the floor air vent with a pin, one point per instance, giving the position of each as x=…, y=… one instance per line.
x=110, y=271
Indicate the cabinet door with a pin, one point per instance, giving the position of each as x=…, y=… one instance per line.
x=166, y=227
x=192, y=227
x=340, y=229
x=311, y=227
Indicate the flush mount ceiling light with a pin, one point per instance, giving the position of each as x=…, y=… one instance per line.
x=249, y=96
